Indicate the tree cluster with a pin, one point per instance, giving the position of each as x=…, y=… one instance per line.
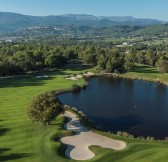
x=21, y=58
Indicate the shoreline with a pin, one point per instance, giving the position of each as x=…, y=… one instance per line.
x=122, y=76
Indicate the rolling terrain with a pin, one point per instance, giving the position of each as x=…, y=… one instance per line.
x=14, y=22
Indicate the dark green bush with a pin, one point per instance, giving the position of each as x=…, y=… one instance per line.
x=76, y=88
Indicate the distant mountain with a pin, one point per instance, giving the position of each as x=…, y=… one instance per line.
x=14, y=22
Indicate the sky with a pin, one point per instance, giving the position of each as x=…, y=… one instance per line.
x=155, y=9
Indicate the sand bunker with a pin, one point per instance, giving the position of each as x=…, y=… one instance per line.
x=80, y=76
x=78, y=145
x=42, y=76
x=75, y=77
x=88, y=74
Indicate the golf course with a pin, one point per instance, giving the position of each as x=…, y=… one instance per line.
x=24, y=141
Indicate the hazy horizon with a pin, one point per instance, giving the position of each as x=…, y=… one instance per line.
x=83, y=14
x=148, y=9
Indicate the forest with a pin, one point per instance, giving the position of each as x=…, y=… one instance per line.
x=19, y=58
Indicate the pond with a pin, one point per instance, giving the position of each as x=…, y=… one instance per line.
x=134, y=106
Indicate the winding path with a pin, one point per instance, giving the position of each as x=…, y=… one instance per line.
x=78, y=145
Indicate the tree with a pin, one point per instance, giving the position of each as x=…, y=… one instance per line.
x=54, y=60
x=102, y=60
x=108, y=66
x=115, y=63
x=140, y=56
x=129, y=63
x=162, y=66
x=90, y=56
x=101, y=63
x=45, y=108
x=22, y=61
x=150, y=57
x=4, y=68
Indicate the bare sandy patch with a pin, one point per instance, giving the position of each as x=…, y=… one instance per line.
x=41, y=76
x=88, y=74
x=75, y=77
x=78, y=145
x=71, y=78
x=80, y=76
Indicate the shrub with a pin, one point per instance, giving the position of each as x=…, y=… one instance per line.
x=150, y=138
x=125, y=134
x=131, y=136
x=76, y=88
x=140, y=137
x=116, y=71
x=119, y=133
x=82, y=114
x=74, y=109
x=66, y=107
x=84, y=85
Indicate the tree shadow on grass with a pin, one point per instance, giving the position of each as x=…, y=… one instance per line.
x=51, y=73
x=7, y=157
x=62, y=149
x=153, y=71
x=31, y=80
x=3, y=131
x=58, y=125
x=21, y=81
x=4, y=155
x=77, y=67
x=145, y=69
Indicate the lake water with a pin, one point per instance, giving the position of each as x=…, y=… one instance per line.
x=134, y=106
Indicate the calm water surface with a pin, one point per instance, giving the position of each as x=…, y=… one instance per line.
x=138, y=107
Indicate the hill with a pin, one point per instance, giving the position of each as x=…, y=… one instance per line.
x=14, y=21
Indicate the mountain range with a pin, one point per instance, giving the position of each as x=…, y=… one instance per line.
x=14, y=21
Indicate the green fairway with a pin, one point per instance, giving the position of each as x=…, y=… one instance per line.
x=143, y=71
x=23, y=141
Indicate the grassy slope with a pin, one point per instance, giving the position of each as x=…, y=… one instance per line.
x=142, y=71
x=22, y=141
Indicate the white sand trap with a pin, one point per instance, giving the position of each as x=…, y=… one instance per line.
x=41, y=76
x=80, y=76
x=88, y=74
x=75, y=77
x=71, y=78
x=78, y=145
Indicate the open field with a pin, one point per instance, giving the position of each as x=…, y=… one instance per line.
x=23, y=141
